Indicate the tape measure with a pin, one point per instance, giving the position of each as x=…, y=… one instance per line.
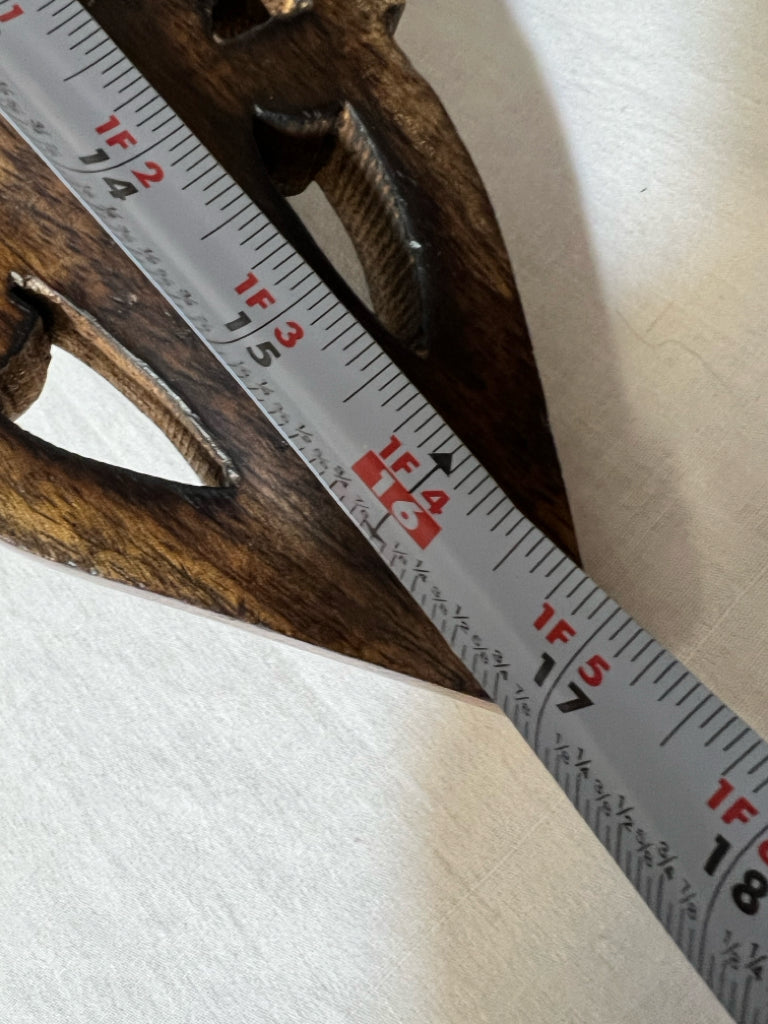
x=671, y=781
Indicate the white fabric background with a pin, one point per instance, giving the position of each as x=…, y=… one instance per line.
x=202, y=824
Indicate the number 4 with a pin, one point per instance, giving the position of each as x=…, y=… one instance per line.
x=119, y=189
x=436, y=501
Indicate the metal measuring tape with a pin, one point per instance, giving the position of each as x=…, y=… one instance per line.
x=670, y=780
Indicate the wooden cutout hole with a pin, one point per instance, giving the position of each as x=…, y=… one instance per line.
x=84, y=414
x=233, y=18
x=361, y=206
x=116, y=369
x=332, y=238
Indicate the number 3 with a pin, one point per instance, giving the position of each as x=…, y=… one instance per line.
x=295, y=334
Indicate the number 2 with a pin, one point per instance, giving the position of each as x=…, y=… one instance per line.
x=156, y=173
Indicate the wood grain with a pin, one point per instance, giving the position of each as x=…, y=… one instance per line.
x=312, y=91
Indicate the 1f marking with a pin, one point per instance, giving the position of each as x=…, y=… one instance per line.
x=14, y=12
x=592, y=672
x=120, y=138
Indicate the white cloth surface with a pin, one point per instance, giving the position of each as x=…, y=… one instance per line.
x=205, y=824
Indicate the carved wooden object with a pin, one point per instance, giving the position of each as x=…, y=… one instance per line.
x=283, y=93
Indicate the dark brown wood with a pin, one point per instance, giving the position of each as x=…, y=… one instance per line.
x=311, y=90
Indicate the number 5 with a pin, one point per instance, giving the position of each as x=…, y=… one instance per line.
x=267, y=350
x=599, y=667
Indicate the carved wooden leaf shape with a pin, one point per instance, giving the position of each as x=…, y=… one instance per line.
x=271, y=547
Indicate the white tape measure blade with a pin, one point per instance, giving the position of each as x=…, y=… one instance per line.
x=670, y=780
